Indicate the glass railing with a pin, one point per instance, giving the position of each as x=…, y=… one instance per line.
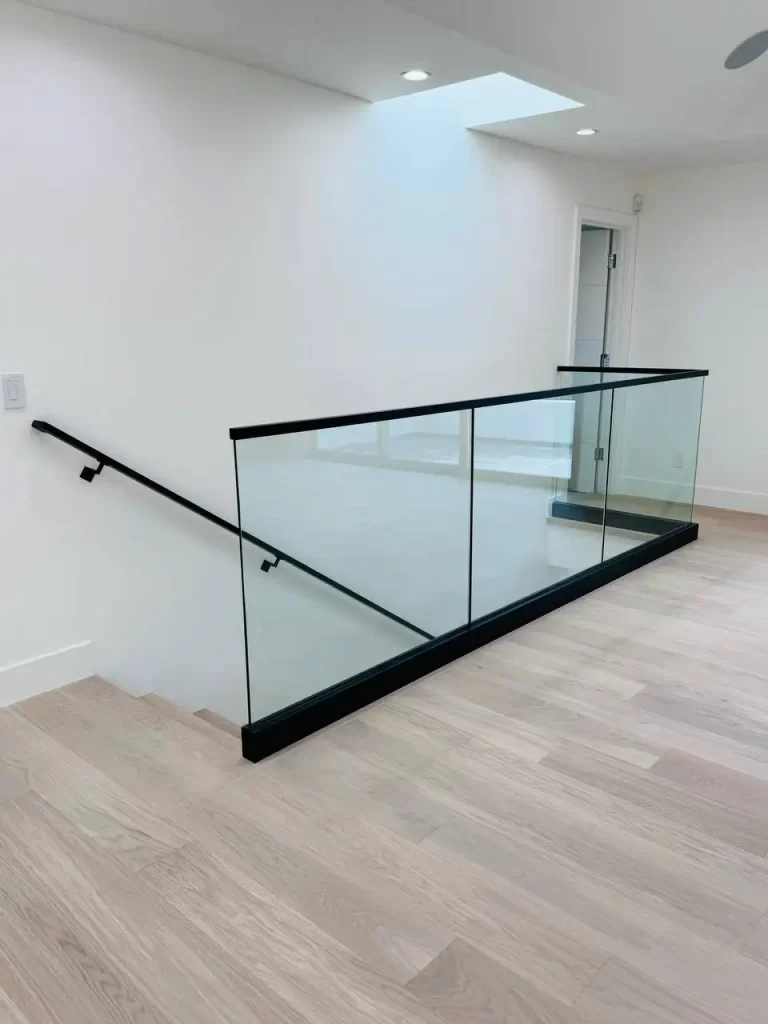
x=431, y=530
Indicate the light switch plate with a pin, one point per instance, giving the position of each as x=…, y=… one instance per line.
x=14, y=391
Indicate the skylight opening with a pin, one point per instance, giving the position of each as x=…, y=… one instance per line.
x=492, y=98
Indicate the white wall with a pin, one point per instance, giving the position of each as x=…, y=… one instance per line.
x=702, y=301
x=189, y=244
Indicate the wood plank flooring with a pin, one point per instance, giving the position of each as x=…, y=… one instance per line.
x=567, y=827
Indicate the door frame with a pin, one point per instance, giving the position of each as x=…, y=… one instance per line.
x=622, y=284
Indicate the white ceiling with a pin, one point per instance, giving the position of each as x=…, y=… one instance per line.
x=650, y=72
x=358, y=47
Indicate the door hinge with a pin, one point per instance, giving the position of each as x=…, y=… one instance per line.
x=599, y=454
x=611, y=260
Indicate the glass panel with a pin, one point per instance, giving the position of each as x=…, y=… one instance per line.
x=435, y=440
x=654, y=451
x=530, y=531
x=591, y=411
x=377, y=516
x=359, y=439
x=382, y=509
x=304, y=636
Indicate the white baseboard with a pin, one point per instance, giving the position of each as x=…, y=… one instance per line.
x=711, y=497
x=740, y=501
x=46, y=672
x=660, y=490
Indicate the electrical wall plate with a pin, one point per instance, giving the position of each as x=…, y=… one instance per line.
x=14, y=391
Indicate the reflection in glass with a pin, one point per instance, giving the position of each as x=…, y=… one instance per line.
x=654, y=452
x=524, y=539
x=393, y=528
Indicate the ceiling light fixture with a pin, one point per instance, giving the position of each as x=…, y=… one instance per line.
x=587, y=131
x=748, y=51
x=416, y=75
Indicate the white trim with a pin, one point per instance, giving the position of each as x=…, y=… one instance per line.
x=676, y=491
x=46, y=672
x=740, y=501
x=626, y=223
x=707, y=497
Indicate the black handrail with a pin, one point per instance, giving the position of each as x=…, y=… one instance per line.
x=328, y=422
x=631, y=369
x=139, y=478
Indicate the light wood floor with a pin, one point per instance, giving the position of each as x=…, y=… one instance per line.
x=568, y=827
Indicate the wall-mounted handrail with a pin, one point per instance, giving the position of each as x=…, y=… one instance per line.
x=281, y=556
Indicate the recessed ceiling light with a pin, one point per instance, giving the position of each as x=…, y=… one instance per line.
x=416, y=76
x=587, y=131
x=748, y=51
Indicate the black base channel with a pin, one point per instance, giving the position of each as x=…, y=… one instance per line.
x=593, y=514
x=267, y=736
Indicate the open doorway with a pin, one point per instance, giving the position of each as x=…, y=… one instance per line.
x=597, y=262
x=600, y=333
x=594, y=340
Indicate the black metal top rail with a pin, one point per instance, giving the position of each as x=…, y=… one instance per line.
x=327, y=422
x=662, y=371
x=105, y=460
